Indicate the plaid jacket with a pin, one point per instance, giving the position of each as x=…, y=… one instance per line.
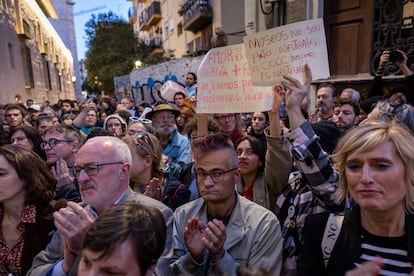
x=310, y=190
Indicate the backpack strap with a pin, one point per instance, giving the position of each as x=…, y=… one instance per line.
x=330, y=235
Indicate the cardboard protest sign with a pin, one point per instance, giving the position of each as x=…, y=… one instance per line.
x=225, y=86
x=285, y=50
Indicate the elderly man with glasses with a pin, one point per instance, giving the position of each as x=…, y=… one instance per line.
x=61, y=143
x=175, y=146
x=103, y=167
x=220, y=231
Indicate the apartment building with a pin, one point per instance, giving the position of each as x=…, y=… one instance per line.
x=35, y=63
x=356, y=31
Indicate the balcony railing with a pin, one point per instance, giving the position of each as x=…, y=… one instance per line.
x=150, y=16
x=156, y=46
x=197, y=15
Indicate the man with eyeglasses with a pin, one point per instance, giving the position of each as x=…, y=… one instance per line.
x=102, y=167
x=175, y=146
x=61, y=143
x=220, y=231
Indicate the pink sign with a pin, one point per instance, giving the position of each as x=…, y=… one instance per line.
x=225, y=85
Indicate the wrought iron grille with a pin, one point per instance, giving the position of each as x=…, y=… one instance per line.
x=393, y=29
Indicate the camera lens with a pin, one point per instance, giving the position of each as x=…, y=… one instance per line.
x=396, y=56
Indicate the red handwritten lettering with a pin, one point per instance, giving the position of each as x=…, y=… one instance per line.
x=266, y=40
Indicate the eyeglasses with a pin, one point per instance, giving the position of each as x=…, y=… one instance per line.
x=52, y=142
x=142, y=120
x=216, y=174
x=92, y=168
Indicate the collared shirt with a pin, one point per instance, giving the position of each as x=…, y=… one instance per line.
x=168, y=141
x=10, y=257
x=58, y=269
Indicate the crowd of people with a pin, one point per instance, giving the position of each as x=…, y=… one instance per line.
x=102, y=187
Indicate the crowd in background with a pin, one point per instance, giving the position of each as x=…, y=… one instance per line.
x=278, y=192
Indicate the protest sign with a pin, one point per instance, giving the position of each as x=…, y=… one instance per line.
x=225, y=86
x=285, y=50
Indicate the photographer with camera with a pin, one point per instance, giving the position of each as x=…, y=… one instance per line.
x=398, y=95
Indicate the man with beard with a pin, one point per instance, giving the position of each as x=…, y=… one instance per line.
x=175, y=146
x=325, y=99
x=346, y=113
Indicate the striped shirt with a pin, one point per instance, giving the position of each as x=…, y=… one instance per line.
x=393, y=251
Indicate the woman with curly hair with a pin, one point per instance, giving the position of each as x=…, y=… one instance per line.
x=27, y=188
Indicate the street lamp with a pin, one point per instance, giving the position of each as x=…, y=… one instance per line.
x=138, y=64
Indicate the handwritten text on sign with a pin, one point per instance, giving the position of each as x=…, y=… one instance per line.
x=285, y=49
x=225, y=84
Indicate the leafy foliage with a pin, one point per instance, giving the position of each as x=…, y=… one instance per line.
x=113, y=49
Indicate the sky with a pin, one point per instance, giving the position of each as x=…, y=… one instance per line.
x=82, y=11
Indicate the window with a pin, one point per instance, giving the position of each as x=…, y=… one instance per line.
x=46, y=73
x=11, y=55
x=171, y=25
x=179, y=29
x=198, y=44
x=190, y=48
x=29, y=66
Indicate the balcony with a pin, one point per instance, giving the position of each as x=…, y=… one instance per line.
x=197, y=15
x=150, y=16
x=156, y=46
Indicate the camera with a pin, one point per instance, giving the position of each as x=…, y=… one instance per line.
x=396, y=56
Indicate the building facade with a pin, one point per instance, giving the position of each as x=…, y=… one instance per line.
x=357, y=31
x=36, y=64
x=65, y=27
